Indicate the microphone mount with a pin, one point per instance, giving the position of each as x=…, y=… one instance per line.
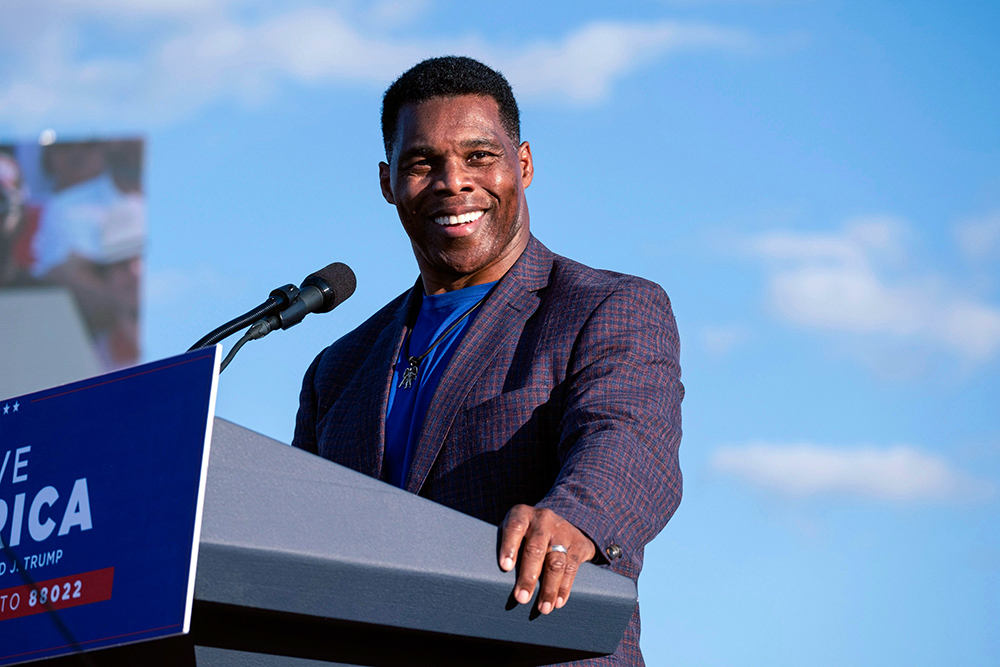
x=279, y=299
x=285, y=307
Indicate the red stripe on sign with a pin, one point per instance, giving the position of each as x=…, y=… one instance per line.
x=127, y=377
x=54, y=594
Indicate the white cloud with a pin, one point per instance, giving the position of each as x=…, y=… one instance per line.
x=397, y=12
x=140, y=8
x=900, y=473
x=858, y=281
x=719, y=341
x=167, y=286
x=979, y=238
x=181, y=55
x=583, y=66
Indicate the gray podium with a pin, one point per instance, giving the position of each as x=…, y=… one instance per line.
x=306, y=563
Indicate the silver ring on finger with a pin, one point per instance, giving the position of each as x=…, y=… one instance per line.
x=558, y=548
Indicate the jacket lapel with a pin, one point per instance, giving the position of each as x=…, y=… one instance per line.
x=498, y=324
x=374, y=387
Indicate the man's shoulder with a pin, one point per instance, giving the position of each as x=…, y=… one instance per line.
x=578, y=283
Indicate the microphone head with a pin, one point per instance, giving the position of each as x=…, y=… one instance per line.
x=336, y=281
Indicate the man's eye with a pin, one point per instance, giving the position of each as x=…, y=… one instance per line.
x=480, y=155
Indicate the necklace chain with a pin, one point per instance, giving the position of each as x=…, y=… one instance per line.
x=410, y=374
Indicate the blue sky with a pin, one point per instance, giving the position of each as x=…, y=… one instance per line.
x=815, y=184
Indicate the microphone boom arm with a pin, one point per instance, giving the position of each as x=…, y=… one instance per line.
x=320, y=292
x=279, y=299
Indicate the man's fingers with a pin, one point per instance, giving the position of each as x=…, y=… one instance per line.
x=556, y=563
x=536, y=543
x=566, y=584
x=514, y=526
x=542, y=545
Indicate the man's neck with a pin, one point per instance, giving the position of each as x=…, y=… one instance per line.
x=434, y=283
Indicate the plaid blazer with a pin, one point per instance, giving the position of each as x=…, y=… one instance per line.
x=563, y=393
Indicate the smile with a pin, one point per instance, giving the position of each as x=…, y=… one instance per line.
x=465, y=218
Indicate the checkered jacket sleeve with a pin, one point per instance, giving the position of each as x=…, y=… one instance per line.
x=619, y=479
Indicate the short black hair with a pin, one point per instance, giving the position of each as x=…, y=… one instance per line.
x=448, y=76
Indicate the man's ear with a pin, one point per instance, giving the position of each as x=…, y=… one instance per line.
x=385, y=182
x=527, y=164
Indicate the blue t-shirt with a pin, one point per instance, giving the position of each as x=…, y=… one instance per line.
x=407, y=407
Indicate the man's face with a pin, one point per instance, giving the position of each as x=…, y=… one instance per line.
x=458, y=184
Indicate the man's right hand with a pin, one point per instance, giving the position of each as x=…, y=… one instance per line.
x=533, y=532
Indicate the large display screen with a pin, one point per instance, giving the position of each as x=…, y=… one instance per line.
x=73, y=214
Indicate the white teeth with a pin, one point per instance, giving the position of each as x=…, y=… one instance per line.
x=448, y=220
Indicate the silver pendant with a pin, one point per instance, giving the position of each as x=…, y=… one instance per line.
x=409, y=375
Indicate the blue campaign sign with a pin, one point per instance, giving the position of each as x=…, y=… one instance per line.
x=101, y=489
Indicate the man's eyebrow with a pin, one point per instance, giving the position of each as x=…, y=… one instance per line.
x=425, y=150
x=413, y=151
x=482, y=142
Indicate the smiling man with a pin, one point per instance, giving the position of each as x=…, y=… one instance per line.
x=509, y=383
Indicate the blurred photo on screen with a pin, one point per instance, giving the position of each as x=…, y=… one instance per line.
x=73, y=215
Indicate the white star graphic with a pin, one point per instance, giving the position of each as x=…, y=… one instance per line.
x=6, y=409
x=16, y=406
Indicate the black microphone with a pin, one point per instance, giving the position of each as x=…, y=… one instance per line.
x=320, y=292
x=287, y=305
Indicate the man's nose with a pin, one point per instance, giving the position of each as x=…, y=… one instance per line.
x=453, y=177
